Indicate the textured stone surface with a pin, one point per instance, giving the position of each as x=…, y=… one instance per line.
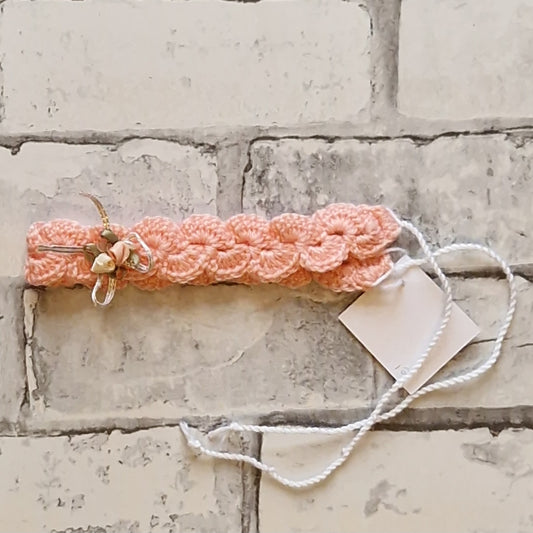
x=465, y=188
x=11, y=349
x=182, y=64
x=464, y=59
x=196, y=350
x=404, y=482
x=147, y=481
x=136, y=179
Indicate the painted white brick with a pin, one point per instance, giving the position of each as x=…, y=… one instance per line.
x=445, y=481
x=462, y=189
x=146, y=481
x=237, y=351
x=461, y=59
x=469, y=188
x=154, y=64
x=222, y=350
x=139, y=178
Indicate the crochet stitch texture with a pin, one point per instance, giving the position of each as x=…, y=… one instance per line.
x=342, y=247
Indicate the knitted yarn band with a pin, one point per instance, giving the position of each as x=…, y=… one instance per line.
x=342, y=247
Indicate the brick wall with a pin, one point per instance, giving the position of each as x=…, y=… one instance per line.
x=180, y=107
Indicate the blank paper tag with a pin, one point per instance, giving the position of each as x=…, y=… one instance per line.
x=396, y=324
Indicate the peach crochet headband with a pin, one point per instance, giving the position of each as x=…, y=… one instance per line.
x=342, y=247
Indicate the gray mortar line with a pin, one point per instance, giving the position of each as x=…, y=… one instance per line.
x=231, y=165
x=415, y=420
x=208, y=139
x=384, y=44
x=251, y=484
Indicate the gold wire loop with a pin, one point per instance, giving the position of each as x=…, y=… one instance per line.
x=101, y=211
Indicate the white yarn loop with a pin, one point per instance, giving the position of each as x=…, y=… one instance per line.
x=377, y=415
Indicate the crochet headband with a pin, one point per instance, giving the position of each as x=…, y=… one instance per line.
x=342, y=247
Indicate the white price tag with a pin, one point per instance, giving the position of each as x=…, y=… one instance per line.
x=396, y=324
